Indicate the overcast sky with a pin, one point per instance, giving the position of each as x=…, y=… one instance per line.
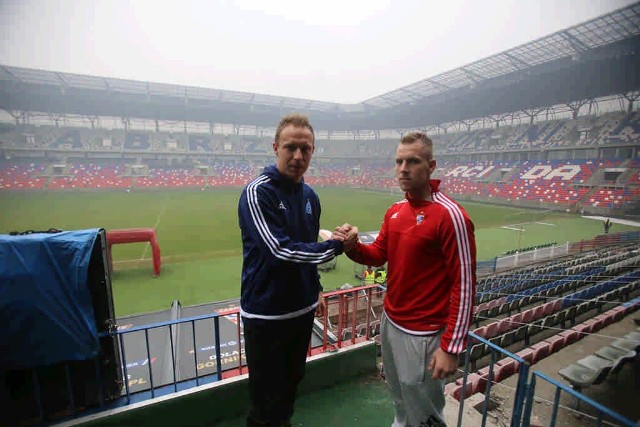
x=330, y=50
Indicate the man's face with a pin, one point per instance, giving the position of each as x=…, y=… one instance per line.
x=414, y=167
x=293, y=151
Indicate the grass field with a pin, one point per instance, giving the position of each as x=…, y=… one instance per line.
x=200, y=239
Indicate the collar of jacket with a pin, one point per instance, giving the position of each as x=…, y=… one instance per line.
x=282, y=181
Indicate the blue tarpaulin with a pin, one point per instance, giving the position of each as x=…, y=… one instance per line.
x=46, y=311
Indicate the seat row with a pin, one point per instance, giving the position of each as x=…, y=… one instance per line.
x=525, y=325
x=477, y=381
x=511, y=303
x=605, y=362
x=361, y=330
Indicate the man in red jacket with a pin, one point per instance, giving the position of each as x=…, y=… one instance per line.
x=429, y=244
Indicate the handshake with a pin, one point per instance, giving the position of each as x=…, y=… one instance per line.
x=348, y=234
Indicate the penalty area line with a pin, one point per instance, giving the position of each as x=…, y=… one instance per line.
x=507, y=227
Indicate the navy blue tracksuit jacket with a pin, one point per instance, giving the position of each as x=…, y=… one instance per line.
x=279, y=221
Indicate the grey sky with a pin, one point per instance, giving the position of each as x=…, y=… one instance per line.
x=330, y=50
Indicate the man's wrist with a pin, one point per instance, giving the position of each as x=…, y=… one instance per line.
x=351, y=250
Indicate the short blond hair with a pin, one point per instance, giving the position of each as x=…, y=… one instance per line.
x=297, y=120
x=422, y=137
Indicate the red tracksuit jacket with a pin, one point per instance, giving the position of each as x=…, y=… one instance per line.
x=430, y=248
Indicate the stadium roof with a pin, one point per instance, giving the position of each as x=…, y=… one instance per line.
x=618, y=25
x=17, y=84
x=136, y=87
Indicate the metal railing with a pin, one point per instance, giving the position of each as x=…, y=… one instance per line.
x=496, y=371
x=486, y=382
x=349, y=319
x=353, y=312
x=172, y=328
x=527, y=257
x=601, y=411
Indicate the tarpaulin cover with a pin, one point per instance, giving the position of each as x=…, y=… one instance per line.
x=46, y=311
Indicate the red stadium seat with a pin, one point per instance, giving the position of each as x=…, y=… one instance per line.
x=540, y=350
x=570, y=336
x=556, y=342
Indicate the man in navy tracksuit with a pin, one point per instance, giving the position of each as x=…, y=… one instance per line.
x=279, y=219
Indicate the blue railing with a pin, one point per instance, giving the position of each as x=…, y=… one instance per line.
x=502, y=364
x=173, y=373
x=169, y=324
x=101, y=401
x=601, y=411
x=525, y=389
x=523, y=373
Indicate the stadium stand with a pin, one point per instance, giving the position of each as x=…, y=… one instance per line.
x=578, y=186
x=22, y=175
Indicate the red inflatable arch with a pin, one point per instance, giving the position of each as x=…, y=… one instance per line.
x=132, y=235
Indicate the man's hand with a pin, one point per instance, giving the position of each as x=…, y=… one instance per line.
x=338, y=235
x=322, y=306
x=348, y=234
x=442, y=364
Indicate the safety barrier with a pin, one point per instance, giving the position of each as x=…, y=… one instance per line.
x=484, y=379
x=349, y=319
x=559, y=388
x=502, y=263
x=527, y=257
x=354, y=321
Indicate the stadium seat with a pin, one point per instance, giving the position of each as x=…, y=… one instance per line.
x=548, y=322
x=583, y=329
x=570, y=336
x=521, y=333
x=514, y=305
x=538, y=312
x=492, y=330
x=516, y=321
x=504, y=308
x=508, y=338
x=504, y=325
x=476, y=352
x=540, y=350
x=527, y=316
x=570, y=315
x=556, y=342
x=617, y=356
x=559, y=318
x=361, y=329
x=605, y=318
x=481, y=331
x=633, y=336
x=470, y=388
x=493, y=309
x=548, y=308
x=532, y=330
x=374, y=328
x=586, y=372
x=526, y=354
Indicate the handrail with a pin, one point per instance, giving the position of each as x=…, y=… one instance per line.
x=602, y=410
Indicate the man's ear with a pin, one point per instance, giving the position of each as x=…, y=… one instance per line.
x=275, y=147
x=432, y=165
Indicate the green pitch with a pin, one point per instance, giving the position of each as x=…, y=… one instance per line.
x=200, y=239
